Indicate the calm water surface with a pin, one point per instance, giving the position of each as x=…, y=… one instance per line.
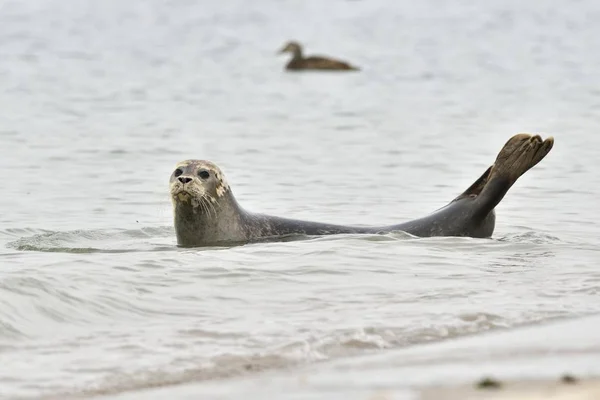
x=100, y=100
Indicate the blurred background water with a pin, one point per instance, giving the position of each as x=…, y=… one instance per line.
x=100, y=100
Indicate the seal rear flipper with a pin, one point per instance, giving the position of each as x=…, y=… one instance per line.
x=520, y=153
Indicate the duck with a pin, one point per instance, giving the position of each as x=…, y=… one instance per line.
x=299, y=62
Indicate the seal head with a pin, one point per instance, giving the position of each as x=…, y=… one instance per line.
x=197, y=182
x=204, y=209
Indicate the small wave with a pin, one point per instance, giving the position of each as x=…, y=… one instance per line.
x=20, y=232
x=366, y=237
x=92, y=241
x=221, y=367
x=530, y=237
x=127, y=240
x=337, y=344
x=8, y=330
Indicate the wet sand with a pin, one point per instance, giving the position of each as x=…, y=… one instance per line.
x=521, y=390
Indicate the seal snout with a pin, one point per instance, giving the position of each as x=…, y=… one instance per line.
x=184, y=179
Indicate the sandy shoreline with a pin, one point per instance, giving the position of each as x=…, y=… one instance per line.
x=528, y=361
x=521, y=390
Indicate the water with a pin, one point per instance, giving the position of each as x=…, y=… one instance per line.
x=101, y=99
x=446, y=369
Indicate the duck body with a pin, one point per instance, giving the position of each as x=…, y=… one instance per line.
x=299, y=62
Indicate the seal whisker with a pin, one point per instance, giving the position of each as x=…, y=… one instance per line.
x=212, y=204
x=215, y=204
x=209, y=206
x=205, y=206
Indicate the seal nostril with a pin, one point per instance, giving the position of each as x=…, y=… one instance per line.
x=184, y=179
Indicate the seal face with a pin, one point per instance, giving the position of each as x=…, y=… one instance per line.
x=206, y=212
x=204, y=209
x=199, y=182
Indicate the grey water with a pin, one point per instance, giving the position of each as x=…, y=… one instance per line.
x=100, y=100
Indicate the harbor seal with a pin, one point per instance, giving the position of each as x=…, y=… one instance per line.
x=206, y=213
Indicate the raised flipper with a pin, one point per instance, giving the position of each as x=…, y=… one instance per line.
x=520, y=153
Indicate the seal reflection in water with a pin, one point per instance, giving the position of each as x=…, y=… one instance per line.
x=299, y=62
x=206, y=212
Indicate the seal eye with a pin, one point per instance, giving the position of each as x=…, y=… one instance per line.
x=204, y=174
x=178, y=172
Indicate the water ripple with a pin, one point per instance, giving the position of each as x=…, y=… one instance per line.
x=75, y=241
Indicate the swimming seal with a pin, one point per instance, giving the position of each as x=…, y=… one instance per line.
x=206, y=213
x=299, y=62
